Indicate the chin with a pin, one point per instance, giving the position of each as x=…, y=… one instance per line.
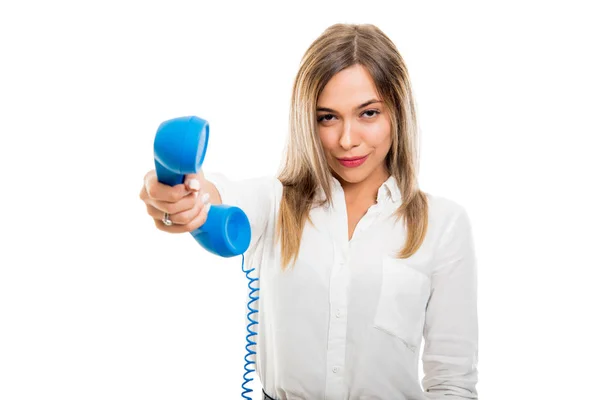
x=353, y=176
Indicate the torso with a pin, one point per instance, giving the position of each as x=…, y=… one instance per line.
x=355, y=213
x=356, y=208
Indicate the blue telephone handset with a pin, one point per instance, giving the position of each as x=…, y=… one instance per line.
x=179, y=148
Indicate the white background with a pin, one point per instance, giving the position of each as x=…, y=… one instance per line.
x=96, y=303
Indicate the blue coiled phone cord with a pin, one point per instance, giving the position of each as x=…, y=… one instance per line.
x=250, y=342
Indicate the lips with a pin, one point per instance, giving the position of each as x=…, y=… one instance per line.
x=352, y=162
x=350, y=158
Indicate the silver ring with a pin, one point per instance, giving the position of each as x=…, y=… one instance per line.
x=166, y=220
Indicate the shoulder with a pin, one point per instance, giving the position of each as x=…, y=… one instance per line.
x=450, y=225
x=446, y=216
x=443, y=209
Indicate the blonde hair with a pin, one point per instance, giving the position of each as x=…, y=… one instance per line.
x=304, y=168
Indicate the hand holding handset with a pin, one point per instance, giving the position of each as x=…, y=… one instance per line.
x=179, y=148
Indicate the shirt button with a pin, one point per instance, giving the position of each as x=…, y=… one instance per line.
x=335, y=369
x=338, y=313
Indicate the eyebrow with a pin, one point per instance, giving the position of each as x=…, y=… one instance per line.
x=357, y=108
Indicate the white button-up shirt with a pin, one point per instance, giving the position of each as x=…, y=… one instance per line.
x=346, y=322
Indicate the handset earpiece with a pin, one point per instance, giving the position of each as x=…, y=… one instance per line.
x=179, y=148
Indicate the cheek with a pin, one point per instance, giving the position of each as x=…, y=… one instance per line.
x=327, y=140
x=378, y=135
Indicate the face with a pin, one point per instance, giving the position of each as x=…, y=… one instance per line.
x=353, y=122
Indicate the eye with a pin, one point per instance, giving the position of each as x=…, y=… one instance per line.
x=375, y=112
x=328, y=117
x=324, y=117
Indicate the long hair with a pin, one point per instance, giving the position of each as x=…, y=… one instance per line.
x=304, y=168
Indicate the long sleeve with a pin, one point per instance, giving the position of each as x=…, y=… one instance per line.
x=255, y=196
x=450, y=352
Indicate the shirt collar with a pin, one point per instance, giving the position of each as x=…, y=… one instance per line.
x=389, y=190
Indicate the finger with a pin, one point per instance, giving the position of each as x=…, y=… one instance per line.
x=199, y=220
x=185, y=217
x=154, y=212
x=163, y=192
x=182, y=217
x=143, y=193
x=186, y=203
x=194, y=224
x=149, y=179
x=193, y=181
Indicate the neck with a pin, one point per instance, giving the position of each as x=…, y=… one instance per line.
x=363, y=192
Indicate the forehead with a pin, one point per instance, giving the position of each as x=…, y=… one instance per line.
x=348, y=88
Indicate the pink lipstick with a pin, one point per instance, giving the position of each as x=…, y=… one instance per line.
x=352, y=162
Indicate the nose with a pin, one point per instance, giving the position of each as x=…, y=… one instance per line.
x=349, y=138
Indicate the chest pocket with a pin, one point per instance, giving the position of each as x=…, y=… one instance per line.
x=401, y=307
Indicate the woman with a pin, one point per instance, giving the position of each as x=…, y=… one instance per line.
x=346, y=298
